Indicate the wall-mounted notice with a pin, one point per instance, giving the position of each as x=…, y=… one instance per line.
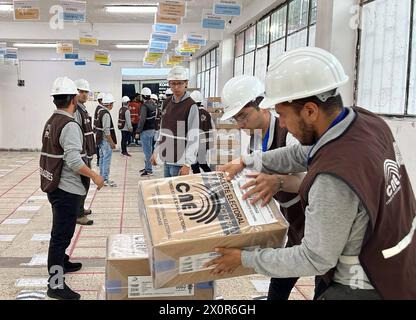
x=88, y=38
x=74, y=11
x=162, y=27
x=26, y=10
x=211, y=21
x=173, y=8
x=227, y=8
x=64, y=47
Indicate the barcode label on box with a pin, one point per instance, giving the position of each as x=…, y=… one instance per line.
x=196, y=262
x=142, y=287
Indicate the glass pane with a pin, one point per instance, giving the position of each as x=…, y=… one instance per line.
x=206, y=93
x=239, y=44
x=203, y=63
x=312, y=34
x=216, y=81
x=213, y=64
x=250, y=41
x=314, y=4
x=263, y=28
x=384, y=56
x=412, y=97
x=278, y=28
x=276, y=49
x=198, y=65
x=261, y=63
x=202, y=82
x=208, y=60
x=298, y=15
x=249, y=64
x=212, y=83
x=297, y=40
x=238, y=66
x=198, y=81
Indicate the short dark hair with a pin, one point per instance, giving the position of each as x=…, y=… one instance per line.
x=62, y=101
x=329, y=106
x=255, y=103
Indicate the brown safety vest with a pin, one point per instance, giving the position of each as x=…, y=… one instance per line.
x=86, y=127
x=122, y=117
x=206, y=136
x=52, y=154
x=294, y=214
x=99, y=126
x=367, y=159
x=173, y=136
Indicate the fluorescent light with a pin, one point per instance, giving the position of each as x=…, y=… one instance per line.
x=34, y=45
x=132, y=9
x=6, y=7
x=131, y=46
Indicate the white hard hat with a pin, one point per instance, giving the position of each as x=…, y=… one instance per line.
x=153, y=96
x=302, y=73
x=178, y=73
x=83, y=85
x=108, y=99
x=101, y=96
x=146, y=92
x=125, y=99
x=161, y=96
x=169, y=91
x=64, y=85
x=197, y=96
x=239, y=91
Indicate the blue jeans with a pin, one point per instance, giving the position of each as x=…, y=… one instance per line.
x=171, y=170
x=105, y=159
x=147, y=137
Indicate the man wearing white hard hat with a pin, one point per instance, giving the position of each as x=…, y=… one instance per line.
x=64, y=176
x=206, y=134
x=178, y=141
x=125, y=125
x=359, y=204
x=146, y=129
x=84, y=120
x=106, y=138
x=100, y=98
x=241, y=97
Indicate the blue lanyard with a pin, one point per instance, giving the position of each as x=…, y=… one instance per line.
x=337, y=120
x=266, y=140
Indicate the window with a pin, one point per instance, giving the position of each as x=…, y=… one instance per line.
x=384, y=84
x=412, y=82
x=207, y=77
x=291, y=25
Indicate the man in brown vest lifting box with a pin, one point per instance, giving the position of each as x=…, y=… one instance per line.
x=359, y=204
x=178, y=142
x=65, y=178
x=241, y=98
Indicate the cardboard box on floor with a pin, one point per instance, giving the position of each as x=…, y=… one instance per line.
x=128, y=274
x=185, y=218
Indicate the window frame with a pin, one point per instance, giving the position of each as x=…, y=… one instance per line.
x=211, y=56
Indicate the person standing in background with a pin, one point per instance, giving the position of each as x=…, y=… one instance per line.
x=100, y=101
x=125, y=125
x=135, y=116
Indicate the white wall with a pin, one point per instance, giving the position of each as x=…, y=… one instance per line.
x=24, y=110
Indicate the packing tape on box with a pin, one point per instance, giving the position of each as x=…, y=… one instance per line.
x=113, y=286
x=205, y=285
x=167, y=265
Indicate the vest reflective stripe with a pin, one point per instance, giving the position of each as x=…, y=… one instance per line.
x=150, y=118
x=290, y=202
x=88, y=133
x=170, y=136
x=403, y=244
x=351, y=260
x=102, y=129
x=55, y=156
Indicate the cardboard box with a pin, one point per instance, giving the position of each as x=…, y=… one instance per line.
x=185, y=218
x=128, y=274
x=215, y=111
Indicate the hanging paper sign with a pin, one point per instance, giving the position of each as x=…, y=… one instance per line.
x=169, y=28
x=88, y=38
x=158, y=45
x=11, y=54
x=162, y=37
x=26, y=10
x=71, y=56
x=173, y=8
x=64, y=47
x=154, y=50
x=195, y=38
x=175, y=59
x=149, y=64
x=154, y=55
x=184, y=54
x=227, y=8
x=186, y=45
x=102, y=56
x=74, y=11
x=80, y=63
x=167, y=19
x=211, y=21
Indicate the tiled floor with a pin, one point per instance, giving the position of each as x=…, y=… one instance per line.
x=25, y=223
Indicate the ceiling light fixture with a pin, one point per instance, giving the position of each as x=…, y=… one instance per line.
x=132, y=46
x=34, y=45
x=132, y=9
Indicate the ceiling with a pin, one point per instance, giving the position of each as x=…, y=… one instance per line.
x=97, y=14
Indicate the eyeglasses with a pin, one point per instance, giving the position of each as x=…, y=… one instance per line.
x=174, y=84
